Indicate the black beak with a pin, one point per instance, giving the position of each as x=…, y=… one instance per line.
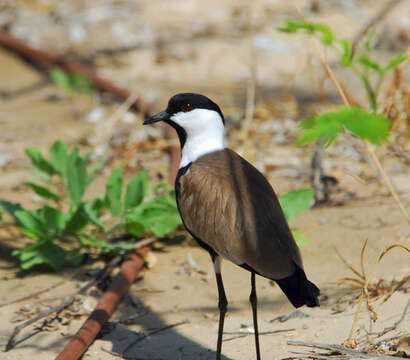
x=161, y=116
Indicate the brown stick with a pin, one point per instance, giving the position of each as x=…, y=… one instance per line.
x=106, y=306
x=41, y=58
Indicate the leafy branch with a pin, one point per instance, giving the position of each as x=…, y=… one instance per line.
x=368, y=65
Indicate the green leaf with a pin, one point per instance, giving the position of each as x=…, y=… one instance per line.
x=327, y=34
x=11, y=208
x=77, y=177
x=93, y=210
x=291, y=26
x=322, y=126
x=300, y=238
x=43, y=192
x=370, y=126
x=294, y=25
x=41, y=253
x=113, y=191
x=370, y=63
x=74, y=258
x=395, y=62
x=81, y=83
x=133, y=225
x=53, y=218
x=94, y=170
x=160, y=216
x=58, y=157
x=136, y=189
x=61, y=78
x=296, y=202
x=31, y=221
x=39, y=162
x=347, y=56
x=72, y=82
x=40, y=174
x=77, y=220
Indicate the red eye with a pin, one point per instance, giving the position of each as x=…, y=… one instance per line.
x=187, y=107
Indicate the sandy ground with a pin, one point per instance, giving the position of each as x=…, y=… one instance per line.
x=172, y=291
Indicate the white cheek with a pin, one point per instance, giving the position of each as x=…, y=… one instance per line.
x=187, y=120
x=199, y=121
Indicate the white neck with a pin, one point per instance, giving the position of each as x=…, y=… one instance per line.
x=204, y=133
x=199, y=145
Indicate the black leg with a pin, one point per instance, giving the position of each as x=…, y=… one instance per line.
x=254, y=302
x=222, y=304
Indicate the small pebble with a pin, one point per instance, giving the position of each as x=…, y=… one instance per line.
x=5, y=158
x=129, y=118
x=95, y=115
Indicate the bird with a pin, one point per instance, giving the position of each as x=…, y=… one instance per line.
x=230, y=208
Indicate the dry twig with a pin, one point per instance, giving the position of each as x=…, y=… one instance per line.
x=365, y=287
x=186, y=321
x=67, y=301
x=377, y=18
x=241, y=334
x=396, y=323
x=341, y=350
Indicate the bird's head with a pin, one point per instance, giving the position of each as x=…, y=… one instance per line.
x=191, y=115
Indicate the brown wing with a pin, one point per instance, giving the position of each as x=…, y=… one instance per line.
x=228, y=204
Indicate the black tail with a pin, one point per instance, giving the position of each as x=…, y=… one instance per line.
x=299, y=290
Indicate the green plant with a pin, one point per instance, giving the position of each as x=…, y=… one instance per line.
x=293, y=204
x=370, y=126
x=68, y=227
x=369, y=70
x=72, y=82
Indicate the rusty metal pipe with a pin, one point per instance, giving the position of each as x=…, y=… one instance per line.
x=80, y=342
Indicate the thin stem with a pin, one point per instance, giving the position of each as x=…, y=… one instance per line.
x=378, y=84
x=370, y=92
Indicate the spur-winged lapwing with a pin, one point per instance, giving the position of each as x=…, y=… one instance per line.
x=229, y=207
